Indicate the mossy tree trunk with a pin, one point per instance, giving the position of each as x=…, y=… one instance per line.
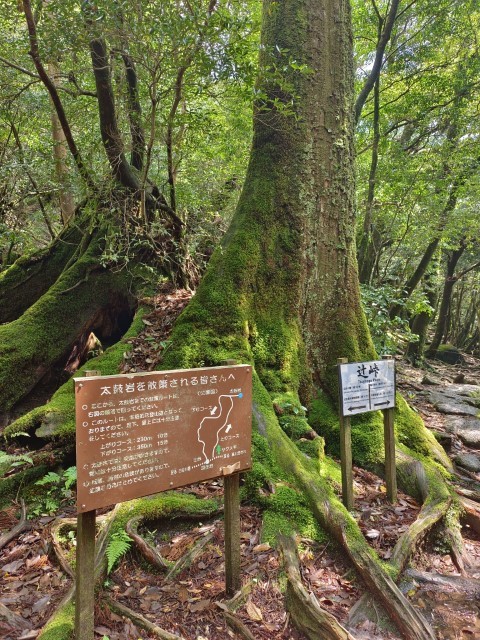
x=282, y=291
x=284, y=284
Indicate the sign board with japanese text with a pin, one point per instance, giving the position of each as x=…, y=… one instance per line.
x=143, y=433
x=366, y=386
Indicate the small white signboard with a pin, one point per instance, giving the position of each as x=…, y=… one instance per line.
x=367, y=386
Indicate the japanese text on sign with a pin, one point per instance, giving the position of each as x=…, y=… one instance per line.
x=367, y=386
x=139, y=434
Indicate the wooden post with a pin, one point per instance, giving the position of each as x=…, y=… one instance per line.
x=231, y=496
x=231, y=491
x=84, y=570
x=389, y=440
x=345, y=450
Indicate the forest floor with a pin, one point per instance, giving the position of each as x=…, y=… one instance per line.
x=194, y=603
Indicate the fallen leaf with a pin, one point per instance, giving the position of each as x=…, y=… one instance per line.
x=261, y=547
x=372, y=534
x=201, y=605
x=253, y=611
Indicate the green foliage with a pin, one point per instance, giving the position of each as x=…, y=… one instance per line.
x=387, y=334
x=58, y=488
x=9, y=462
x=120, y=542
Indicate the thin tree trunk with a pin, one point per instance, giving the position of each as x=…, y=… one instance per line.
x=386, y=33
x=366, y=251
x=450, y=281
x=60, y=150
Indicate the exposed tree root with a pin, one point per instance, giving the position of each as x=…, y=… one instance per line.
x=239, y=598
x=471, y=515
x=55, y=531
x=147, y=550
x=140, y=621
x=304, y=609
x=61, y=624
x=237, y=626
x=436, y=499
x=334, y=518
x=17, y=529
x=22, y=284
x=12, y=619
x=189, y=557
x=47, y=336
x=443, y=583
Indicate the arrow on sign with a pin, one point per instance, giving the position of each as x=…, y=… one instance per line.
x=381, y=404
x=353, y=408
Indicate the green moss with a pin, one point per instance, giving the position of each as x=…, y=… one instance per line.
x=62, y=626
x=411, y=431
x=294, y=426
x=12, y=485
x=44, y=334
x=314, y=449
x=56, y=419
x=287, y=512
x=367, y=432
x=164, y=505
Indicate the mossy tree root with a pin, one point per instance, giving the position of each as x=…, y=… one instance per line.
x=56, y=419
x=424, y=481
x=22, y=284
x=426, y=484
x=45, y=334
x=61, y=624
x=147, y=550
x=304, y=609
x=336, y=520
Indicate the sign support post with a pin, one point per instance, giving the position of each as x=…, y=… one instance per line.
x=85, y=569
x=231, y=492
x=346, y=455
x=389, y=440
x=231, y=497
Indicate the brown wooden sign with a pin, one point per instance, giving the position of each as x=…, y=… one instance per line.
x=139, y=434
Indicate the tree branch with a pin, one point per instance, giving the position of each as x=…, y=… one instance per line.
x=57, y=103
x=377, y=65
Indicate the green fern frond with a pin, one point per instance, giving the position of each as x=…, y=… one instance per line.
x=117, y=547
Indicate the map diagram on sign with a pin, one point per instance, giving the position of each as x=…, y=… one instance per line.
x=213, y=426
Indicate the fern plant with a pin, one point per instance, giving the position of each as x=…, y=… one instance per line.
x=119, y=544
x=9, y=462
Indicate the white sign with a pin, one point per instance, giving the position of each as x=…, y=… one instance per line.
x=367, y=386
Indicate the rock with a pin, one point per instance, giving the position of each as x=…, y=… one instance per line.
x=445, y=439
x=469, y=461
x=466, y=428
x=454, y=400
x=427, y=379
x=456, y=408
x=449, y=354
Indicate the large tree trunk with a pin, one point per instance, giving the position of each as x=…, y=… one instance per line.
x=283, y=289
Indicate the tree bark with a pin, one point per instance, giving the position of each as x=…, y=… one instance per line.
x=450, y=281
